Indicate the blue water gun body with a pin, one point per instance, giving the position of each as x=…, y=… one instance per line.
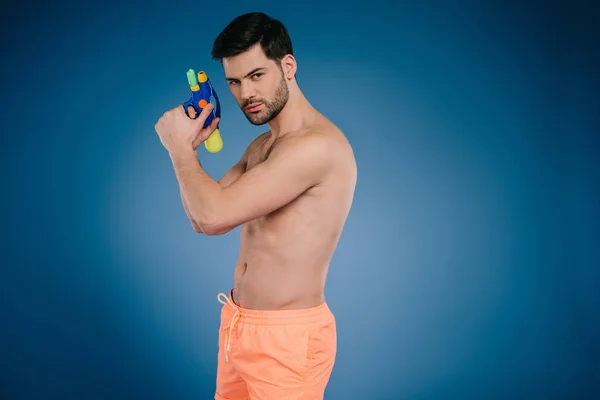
x=202, y=91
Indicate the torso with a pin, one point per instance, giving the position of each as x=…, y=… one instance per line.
x=284, y=256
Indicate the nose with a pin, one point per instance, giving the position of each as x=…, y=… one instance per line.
x=246, y=90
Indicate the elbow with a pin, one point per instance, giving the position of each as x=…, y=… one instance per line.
x=213, y=226
x=214, y=229
x=213, y=221
x=197, y=228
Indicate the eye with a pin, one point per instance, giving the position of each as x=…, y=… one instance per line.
x=257, y=75
x=232, y=83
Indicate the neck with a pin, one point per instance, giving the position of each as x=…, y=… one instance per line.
x=297, y=114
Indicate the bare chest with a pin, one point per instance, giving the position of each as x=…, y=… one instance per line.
x=257, y=157
x=295, y=222
x=259, y=152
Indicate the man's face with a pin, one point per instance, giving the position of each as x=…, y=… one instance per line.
x=257, y=84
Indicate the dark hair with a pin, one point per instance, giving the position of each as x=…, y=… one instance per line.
x=249, y=29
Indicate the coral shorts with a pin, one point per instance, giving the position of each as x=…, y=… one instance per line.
x=274, y=355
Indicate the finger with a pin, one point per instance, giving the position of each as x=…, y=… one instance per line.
x=191, y=111
x=215, y=123
x=197, y=141
x=205, y=113
x=206, y=132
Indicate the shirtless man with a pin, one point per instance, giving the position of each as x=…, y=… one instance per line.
x=291, y=192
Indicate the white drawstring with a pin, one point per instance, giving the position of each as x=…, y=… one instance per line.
x=234, y=320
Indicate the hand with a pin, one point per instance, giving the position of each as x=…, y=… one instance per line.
x=175, y=129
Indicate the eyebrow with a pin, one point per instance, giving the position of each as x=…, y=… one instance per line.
x=255, y=70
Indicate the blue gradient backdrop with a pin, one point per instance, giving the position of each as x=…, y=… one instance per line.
x=468, y=268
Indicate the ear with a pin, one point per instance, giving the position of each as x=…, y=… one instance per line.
x=289, y=66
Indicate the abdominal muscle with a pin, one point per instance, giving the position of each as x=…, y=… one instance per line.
x=284, y=257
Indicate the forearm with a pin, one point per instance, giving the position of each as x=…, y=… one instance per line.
x=187, y=212
x=199, y=192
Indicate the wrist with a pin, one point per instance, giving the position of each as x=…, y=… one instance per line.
x=182, y=151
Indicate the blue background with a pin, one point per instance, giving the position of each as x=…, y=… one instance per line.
x=468, y=268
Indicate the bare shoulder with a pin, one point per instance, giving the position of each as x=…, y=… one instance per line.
x=331, y=139
x=336, y=137
x=343, y=169
x=322, y=145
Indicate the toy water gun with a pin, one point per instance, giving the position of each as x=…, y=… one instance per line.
x=202, y=91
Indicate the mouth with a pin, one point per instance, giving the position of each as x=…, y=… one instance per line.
x=253, y=107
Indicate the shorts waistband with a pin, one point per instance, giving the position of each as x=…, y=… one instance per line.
x=317, y=314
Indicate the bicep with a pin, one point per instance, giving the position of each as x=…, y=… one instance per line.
x=236, y=171
x=233, y=174
x=285, y=175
